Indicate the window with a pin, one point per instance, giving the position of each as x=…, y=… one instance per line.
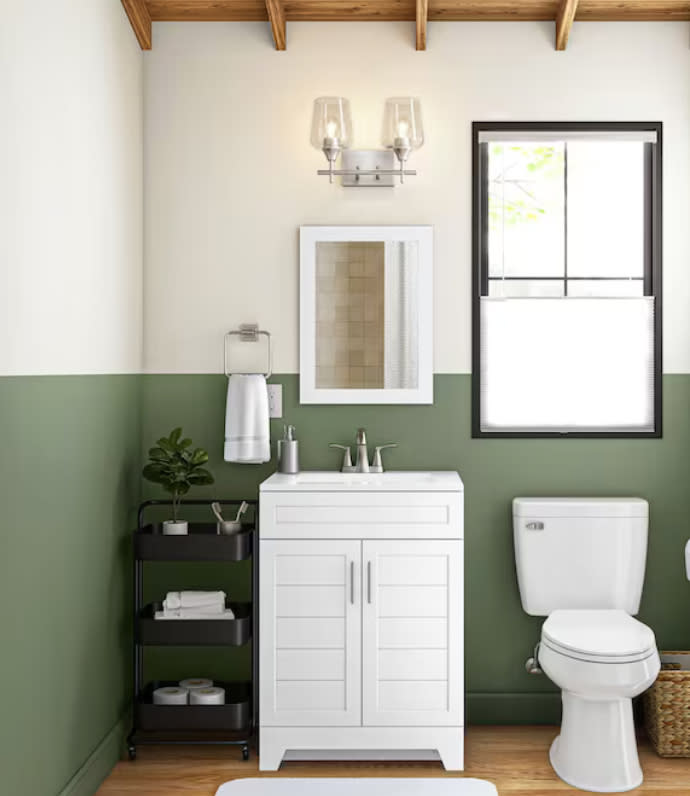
x=567, y=279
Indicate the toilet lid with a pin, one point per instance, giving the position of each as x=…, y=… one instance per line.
x=606, y=633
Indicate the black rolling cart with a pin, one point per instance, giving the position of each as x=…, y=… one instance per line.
x=229, y=724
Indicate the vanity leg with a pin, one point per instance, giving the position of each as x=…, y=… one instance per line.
x=271, y=755
x=451, y=751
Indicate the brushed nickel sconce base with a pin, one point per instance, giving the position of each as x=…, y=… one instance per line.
x=368, y=160
x=368, y=168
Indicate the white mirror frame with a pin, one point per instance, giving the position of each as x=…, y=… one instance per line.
x=309, y=237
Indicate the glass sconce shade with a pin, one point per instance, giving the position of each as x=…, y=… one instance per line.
x=402, y=124
x=331, y=125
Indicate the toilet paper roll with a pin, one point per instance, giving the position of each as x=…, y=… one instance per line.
x=207, y=696
x=170, y=695
x=196, y=682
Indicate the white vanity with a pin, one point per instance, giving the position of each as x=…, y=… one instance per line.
x=361, y=617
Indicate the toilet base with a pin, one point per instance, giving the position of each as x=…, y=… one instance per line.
x=596, y=749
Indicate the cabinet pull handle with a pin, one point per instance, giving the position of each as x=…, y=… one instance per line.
x=369, y=581
x=352, y=582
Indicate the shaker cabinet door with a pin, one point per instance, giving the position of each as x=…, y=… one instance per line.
x=310, y=625
x=412, y=633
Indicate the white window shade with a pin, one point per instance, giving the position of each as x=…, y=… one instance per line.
x=567, y=364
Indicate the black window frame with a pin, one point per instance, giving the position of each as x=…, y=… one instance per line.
x=652, y=262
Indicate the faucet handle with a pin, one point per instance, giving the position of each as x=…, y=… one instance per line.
x=377, y=462
x=347, y=457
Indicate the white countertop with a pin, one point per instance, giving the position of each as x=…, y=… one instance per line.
x=390, y=481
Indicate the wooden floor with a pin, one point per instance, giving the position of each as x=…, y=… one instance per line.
x=513, y=758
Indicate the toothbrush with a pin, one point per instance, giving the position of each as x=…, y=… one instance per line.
x=215, y=508
x=241, y=510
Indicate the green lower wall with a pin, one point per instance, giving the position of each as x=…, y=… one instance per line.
x=498, y=636
x=69, y=480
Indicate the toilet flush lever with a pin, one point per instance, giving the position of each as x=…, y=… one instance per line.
x=535, y=526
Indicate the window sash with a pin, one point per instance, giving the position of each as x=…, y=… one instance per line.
x=568, y=270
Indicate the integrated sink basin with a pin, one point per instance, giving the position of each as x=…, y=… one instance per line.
x=390, y=481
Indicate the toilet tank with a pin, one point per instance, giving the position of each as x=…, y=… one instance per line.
x=580, y=552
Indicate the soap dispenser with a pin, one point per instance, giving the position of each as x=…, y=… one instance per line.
x=288, y=452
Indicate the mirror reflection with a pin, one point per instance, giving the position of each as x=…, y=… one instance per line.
x=367, y=315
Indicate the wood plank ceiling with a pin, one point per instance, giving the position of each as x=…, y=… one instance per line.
x=563, y=12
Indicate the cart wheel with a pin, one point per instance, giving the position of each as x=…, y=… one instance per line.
x=245, y=753
x=132, y=750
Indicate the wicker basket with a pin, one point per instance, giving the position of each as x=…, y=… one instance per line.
x=667, y=706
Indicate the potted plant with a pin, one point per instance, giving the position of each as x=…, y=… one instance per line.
x=177, y=468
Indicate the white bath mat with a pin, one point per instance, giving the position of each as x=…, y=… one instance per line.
x=452, y=786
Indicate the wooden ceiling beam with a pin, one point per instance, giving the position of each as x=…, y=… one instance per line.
x=405, y=10
x=422, y=15
x=564, y=22
x=140, y=20
x=202, y=11
x=633, y=11
x=276, y=16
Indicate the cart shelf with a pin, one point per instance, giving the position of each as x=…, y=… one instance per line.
x=234, y=715
x=198, y=632
x=202, y=543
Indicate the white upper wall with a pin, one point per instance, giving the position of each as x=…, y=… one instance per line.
x=230, y=174
x=71, y=179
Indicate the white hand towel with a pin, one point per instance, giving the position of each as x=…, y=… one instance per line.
x=247, y=434
x=209, y=601
x=190, y=613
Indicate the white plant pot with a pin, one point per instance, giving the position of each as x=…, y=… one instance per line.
x=175, y=528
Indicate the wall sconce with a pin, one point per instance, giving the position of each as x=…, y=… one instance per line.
x=331, y=132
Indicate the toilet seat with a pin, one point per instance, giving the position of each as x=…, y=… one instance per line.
x=598, y=636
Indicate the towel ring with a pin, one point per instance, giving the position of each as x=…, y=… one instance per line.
x=248, y=333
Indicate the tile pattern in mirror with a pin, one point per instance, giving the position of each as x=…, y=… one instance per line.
x=350, y=314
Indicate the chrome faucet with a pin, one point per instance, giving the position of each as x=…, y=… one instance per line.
x=362, y=460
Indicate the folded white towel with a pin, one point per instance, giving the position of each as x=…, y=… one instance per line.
x=210, y=601
x=189, y=613
x=247, y=428
x=215, y=608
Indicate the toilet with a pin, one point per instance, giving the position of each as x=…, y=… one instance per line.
x=581, y=563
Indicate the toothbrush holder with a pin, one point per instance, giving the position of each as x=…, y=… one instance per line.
x=228, y=527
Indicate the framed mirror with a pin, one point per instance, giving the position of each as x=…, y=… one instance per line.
x=366, y=315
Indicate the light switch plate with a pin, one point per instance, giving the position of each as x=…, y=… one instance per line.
x=275, y=400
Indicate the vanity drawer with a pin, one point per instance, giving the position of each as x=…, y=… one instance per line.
x=357, y=515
